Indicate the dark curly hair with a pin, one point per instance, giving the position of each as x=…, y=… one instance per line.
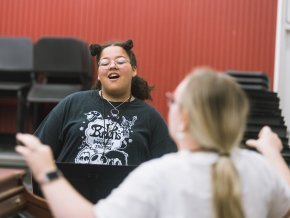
x=139, y=87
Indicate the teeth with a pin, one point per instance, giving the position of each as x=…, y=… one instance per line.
x=113, y=76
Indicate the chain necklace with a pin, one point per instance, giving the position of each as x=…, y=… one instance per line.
x=114, y=111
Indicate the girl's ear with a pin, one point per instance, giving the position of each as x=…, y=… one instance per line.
x=134, y=72
x=184, y=124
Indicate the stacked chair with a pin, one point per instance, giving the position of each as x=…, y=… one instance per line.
x=264, y=107
x=16, y=65
x=62, y=66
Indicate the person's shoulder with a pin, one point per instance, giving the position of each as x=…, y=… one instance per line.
x=77, y=98
x=143, y=105
x=80, y=95
x=248, y=154
x=162, y=163
x=254, y=159
x=166, y=166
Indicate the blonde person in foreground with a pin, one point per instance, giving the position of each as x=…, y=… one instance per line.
x=209, y=176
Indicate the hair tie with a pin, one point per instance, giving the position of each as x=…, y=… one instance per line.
x=128, y=44
x=224, y=154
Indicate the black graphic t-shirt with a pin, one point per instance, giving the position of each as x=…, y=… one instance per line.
x=82, y=129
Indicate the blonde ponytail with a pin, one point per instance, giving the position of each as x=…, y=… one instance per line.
x=226, y=189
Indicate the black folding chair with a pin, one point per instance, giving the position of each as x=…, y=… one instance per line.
x=16, y=65
x=251, y=80
x=264, y=107
x=62, y=66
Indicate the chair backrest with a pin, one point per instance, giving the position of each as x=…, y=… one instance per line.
x=251, y=79
x=16, y=58
x=89, y=67
x=61, y=59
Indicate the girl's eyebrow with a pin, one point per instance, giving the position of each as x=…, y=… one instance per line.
x=120, y=56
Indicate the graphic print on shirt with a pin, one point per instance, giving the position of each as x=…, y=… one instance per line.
x=105, y=139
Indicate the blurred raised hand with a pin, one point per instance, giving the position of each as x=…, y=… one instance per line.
x=270, y=145
x=37, y=155
x=268, y=142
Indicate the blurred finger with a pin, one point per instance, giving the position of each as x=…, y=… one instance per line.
x=28, y=140
x=265, y=130
x=252, y=143
x=22, y=150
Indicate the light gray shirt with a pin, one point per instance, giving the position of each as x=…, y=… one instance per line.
x=179, y=185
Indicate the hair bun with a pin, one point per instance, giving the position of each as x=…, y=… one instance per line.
x=128, y=44
x=95, y=49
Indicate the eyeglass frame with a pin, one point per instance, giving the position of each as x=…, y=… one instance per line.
x=115, y=62
x=170, y=98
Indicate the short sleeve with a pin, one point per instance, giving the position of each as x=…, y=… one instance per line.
x=280, y=201
x=50, y=129
x=161, y=142
x=138, y=196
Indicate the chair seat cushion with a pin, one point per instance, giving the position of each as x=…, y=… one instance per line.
x=51, y=92
x=13, y=86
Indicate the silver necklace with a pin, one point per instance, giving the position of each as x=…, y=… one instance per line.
x=114, y=111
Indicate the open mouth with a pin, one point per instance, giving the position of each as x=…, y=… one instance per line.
x=113, y=76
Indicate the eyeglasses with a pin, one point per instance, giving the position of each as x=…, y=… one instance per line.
x=119, y=61
x=170, y=98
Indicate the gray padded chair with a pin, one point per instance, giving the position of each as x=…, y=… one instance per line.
x=16, y=65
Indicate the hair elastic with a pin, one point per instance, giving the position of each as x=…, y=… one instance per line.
x=224, y=154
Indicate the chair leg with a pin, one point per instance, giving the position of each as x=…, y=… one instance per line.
x=20, y=117
x=35, y=116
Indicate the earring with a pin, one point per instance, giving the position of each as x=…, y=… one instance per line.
x=180, y=135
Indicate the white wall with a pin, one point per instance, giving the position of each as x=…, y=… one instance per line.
x=282, y=59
